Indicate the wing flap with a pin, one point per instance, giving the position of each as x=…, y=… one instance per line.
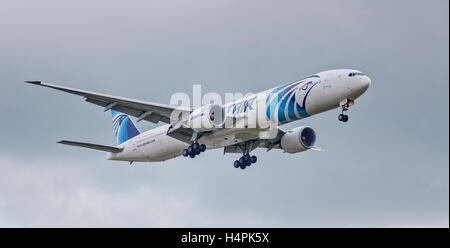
x=91, y=146
x=182, y=134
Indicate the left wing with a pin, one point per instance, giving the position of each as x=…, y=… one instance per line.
x=153, y=112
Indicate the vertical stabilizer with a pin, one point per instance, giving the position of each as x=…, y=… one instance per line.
x=124, y=128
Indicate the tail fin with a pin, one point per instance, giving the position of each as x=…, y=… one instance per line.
x=124, y=128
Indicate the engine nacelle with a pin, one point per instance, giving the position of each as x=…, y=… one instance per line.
x=207, y=117
x=298, y=139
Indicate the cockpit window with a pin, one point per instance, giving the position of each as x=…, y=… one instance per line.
x=352, y=74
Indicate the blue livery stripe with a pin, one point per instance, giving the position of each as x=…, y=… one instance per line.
x=282, y=105
x=291, y=106
x=124, y=128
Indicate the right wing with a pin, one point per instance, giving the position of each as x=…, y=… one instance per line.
x=153, y=112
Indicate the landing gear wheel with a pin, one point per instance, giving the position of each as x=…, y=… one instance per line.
x=247, y=160
x=345, y=118
x=189, y=149
x=236, y=164
x=247, y=157
x=242, y=165
x=195, y=146
x=241, y=160
x=202, y=147
x=185, y=153
x=345, y=105
x=194, y=149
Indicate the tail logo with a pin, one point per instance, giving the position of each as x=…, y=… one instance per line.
x=117, y=122
x=123, y=126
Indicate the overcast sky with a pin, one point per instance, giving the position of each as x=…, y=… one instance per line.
x=386, y=167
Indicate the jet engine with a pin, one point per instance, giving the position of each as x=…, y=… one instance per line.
x=298, y=139
x=207, y=117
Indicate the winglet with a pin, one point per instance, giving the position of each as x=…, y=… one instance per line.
x=34, y=82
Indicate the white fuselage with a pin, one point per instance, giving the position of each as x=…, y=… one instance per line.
x=321, y=92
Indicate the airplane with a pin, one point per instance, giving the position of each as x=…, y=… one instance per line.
x=238, y=127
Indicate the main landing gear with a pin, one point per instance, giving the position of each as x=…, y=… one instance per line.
x=194, y=149
x=245, y=161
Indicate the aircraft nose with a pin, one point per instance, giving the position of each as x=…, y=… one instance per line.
x=358, y=86
x=365, y=82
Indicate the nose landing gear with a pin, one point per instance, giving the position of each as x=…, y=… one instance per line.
x=343, y=117
x=194, y=149
x=345, y=104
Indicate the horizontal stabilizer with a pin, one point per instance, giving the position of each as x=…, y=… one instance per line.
x=91, y=146
x=33, y=82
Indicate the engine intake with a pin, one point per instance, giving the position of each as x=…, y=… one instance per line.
x=298, y=139
x=207, y=117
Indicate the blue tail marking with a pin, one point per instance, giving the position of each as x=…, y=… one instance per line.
x=124, y=128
